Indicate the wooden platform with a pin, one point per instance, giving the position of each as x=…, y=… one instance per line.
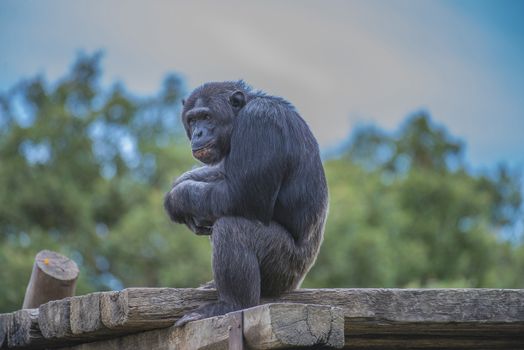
x=142, y=318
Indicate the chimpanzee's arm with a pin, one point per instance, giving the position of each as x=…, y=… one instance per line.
x=253, y=170
x=202, y=174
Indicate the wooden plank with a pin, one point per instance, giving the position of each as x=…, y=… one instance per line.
x=267, y=327
x=281, y=326
x=143, y=308
x=211, y=333
x=150, y=308
x=23, y=330
x=357, y=327
x=55, y=323
x=385, y=342
x=5, y=319
x=420, y=305
x=418, y=318
x=369, y=313
x=53, y=319
x=85, y=316
x=236, y=331
x=492, y=317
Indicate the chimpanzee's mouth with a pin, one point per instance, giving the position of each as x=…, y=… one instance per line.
x=203, y=152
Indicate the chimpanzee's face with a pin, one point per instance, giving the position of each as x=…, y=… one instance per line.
x=208, y=118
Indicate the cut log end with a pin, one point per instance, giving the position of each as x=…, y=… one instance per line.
x=57, y=266
x=53, y=277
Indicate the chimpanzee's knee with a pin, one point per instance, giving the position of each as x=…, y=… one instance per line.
x=235, y=231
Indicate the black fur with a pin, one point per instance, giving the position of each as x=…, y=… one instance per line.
x=262, y=195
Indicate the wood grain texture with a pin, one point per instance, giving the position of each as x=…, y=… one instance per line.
x=420, y=305
x=385, y=342
x=426, y=318
x=276, y=326
x=85, y=316
x=54, y=320
x=149, y=308
x=23, y=329
x=5, y=319
x=281, y=326
x=236, y=331
x=373, y=318
x=205, y=334
x=153, y=307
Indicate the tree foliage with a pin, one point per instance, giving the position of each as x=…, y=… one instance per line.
x=405, y=211
x=83, y=170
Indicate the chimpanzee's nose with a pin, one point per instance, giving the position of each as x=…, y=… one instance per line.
x=201, y=138
x=199, y=133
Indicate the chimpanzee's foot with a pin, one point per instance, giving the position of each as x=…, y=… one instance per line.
x=192, y=316
x=209, y=310
x=208, y=285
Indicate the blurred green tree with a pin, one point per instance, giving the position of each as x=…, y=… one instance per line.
x=83, y=171
x=405, y=211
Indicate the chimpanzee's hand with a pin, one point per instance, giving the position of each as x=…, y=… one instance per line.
x=184, y=177
x=199, y=228
x=174, y=203
x=177, y=203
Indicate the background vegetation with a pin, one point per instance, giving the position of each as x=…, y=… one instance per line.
x=83, y=170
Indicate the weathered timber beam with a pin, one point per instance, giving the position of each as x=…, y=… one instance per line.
x=5, y=319
x=236, y=331
x=426, y=318
x=372, y=316
x=195, y=335
x=71, y=321
x=54, y=320
x=271, y=326
x=23, y=330
x=150, y=308
x=455, y=342
x=420, y=305
x=143, y=308
x=280, y=326
x=469, y=317
x=85, y=316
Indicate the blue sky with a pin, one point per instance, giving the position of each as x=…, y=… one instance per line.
x=342, y=63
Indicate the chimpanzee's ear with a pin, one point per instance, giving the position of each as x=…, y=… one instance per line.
x=237, y=99
x=183, y=101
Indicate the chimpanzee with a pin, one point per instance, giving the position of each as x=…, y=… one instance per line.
x=262, y=195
